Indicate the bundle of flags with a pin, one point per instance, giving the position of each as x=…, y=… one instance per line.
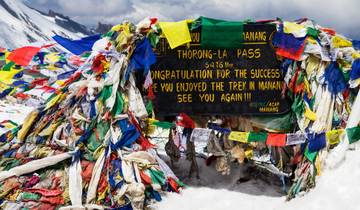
x=331, y=137
x=31, y=71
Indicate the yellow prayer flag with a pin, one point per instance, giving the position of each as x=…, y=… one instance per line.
x=53, y=101
x=310, y=114
x=318, y=166
x=59, y=82
x=307, y=86
x=52, y=67
x=312, y=64
x=49, y=130
x=27, y=124
x=249, y=153
x=239, y=136
x=177, y=33
x=52, y=57
x=290, y=27
x=6, y=77
x=355, y=55
x=3, y=86
x=296, y=29
x=9, y=125
x=333, y=136
x=311, y=40
x=124, y=34
x=338, y=42
x=151, y=127
x=355, y=82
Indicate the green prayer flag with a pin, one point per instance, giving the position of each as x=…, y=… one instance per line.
x=311, y=156
x=165, y=125
x=109, y=34
x=300, y=79
x=346, y=75
x=298, y=106
x=280, y=123
x=27, y=196
x=106, y=93
x=221, y=34
x=149, y=108
x=313, y=32
x=257, y=136
x=86, y=54
x=195, y=24
x=312, y=102
x=119, y=105
x=11, y=164
x=180, y=183
x=353, y=134
x=7, y=67
x=51, y=97
x=154, y=39
x=157, y=177
x=97, y=137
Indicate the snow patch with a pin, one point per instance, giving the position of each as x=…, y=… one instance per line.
x=336, y=189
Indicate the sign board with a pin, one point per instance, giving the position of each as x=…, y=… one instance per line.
x=202, y=81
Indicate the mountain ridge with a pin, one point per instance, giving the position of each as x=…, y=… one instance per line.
x=22, y=25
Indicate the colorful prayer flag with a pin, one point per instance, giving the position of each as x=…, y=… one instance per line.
x=239, y=136
x=276, y=140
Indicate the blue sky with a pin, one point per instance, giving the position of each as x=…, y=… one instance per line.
x=342, y=15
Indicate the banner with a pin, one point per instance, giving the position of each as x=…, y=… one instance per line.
x=195, y=80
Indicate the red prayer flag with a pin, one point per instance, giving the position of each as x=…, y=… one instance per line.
x=329, y=31
x=276, y=140
x=151, y=95
x=185, y=121
x=22, y=56
x=145, y=178
x=39, y=81
x=57, y=200
x=173, y=184
x=48, y=89
x=288, y=54
x=22, y=95
x=153, y=20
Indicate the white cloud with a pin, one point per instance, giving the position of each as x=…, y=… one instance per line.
x=341, y=15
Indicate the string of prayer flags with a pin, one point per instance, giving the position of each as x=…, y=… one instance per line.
x=316, y=141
